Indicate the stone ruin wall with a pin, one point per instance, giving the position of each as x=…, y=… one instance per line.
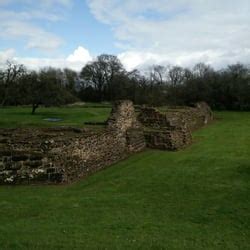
x=195, y=117
x=63, y=155
x=162, y=131
x=171, y=130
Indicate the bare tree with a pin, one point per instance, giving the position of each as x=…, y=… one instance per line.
x=70, y=80
x=176, y=75
x=157, y=75
x=101, y=73
x=202, y=70
x=9, y=77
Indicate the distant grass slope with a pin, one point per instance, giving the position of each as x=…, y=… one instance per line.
x=198, y=198
x=13, y=117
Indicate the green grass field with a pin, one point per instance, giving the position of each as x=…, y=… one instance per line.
x=198, y=198
x=13, y=117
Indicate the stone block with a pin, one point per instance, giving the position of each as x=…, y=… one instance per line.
x=34, y=164
x=5, y=152
x=19, y=157
x=36, y=156
x=55, y=177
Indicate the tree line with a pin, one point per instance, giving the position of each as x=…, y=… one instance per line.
x=106, y=79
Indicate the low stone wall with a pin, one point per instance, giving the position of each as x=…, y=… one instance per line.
x=171, y=130
x=62, y=155
x=163, y=131
x=195, y=117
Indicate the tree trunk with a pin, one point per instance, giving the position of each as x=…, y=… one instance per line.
x=3, y=102
x=34, y=107
x=4, y=97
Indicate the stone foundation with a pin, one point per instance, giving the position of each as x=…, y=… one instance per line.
x=171, y=130
x=63, y=155
x=195, y=117
x=163, y=131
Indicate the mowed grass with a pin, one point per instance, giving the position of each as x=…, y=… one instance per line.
x=198, y=198
x=13, y=117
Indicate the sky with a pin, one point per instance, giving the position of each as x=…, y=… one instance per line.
x=71, y=33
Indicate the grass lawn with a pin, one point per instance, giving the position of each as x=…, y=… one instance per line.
x=13, y=117
x=198, y=198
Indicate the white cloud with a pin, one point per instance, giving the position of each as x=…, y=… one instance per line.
x=4, y=2
x=217, y=59
x=178, y=31
x=6, y=55
x=52, y=2
x=6, y=15
x=35, y=37
x=79, y=56
x=135, y=59
x=38, y=2
x=21, y=25
x=76, y=60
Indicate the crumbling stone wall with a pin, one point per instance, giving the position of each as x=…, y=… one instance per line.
x=62, y=155
x=163, y=131
x=123, y=121
x=123, y=117
x=198, y=116
x=195, y=117
x=171, y=130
